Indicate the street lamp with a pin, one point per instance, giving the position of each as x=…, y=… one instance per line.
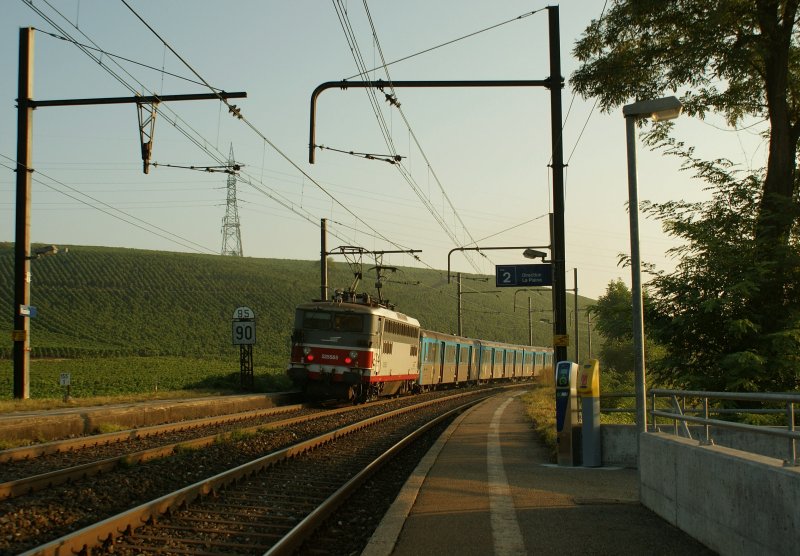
x=534, y=254
x=660, y=109
x=528, y=253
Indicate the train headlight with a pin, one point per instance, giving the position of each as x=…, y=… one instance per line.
x=351, y=358
x=310, y=357
x=306, y=350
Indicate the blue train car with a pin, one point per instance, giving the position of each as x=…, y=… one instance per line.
x=445, y=359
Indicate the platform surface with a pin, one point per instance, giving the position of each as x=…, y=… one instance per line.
x=488, y=487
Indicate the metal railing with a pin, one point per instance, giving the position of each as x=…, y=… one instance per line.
x=680, y=417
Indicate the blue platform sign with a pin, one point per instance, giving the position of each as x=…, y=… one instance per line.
x=523, y=275
x=27, y=311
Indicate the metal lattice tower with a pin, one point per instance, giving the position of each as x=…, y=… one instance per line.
x=231, y=234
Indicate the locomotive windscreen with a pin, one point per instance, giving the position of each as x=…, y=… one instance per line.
x=324, y=320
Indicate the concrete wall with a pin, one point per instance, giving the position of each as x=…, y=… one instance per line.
x=734, y=502
x=619, y=447
x=763, y=444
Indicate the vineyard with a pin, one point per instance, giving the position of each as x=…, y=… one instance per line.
x=99, y=307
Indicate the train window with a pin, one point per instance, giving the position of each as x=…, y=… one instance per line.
x=317, y=320
x=431, y=350
x=348, y=323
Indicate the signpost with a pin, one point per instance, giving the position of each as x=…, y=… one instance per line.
x=244, y=335
x=65, y=379
x=523, y=275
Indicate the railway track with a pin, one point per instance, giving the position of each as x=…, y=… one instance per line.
x=272, y=505
x=32, y=468
x=60, y=510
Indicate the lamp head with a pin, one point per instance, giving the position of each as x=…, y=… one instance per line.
x=534, y=254
x=660, y=109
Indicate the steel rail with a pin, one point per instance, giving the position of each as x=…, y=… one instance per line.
x=28, y=485
x=770, y=431
x=294, y=539
x=753, y=396
x=105, y=532
x=787, y=398
x=70, y=444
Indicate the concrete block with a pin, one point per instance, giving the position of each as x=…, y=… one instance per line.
x=657, y=470
x=619, y=447
x=734, y=502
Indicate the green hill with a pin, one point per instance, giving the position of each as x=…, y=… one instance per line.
x=100, y=302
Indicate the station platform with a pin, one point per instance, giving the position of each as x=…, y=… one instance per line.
x=65, y=422
x=488, y=487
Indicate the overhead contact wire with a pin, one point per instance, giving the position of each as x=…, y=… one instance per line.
x=202, y=143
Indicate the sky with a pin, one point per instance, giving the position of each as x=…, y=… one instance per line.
x=475, y=162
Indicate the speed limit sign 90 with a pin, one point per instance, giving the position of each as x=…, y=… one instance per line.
x=244, y=332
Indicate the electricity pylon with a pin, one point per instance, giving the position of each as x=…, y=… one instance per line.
x=231, y=234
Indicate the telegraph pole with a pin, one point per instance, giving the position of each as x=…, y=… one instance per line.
x=22, y=243
x=22, y=238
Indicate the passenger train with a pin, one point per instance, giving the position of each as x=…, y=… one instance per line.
x=354, y=348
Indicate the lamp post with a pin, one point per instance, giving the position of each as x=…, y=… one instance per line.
x=530, y=310
x=660, y=109
x=460, y=309
x=589, y=331
x=575, y=299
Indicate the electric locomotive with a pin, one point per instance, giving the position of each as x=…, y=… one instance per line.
x=353, y=348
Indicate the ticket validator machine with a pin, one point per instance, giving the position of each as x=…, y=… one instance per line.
x=589, y=390
x=566, y=411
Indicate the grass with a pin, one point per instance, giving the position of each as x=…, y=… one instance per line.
x=16, y=443
x=111, y=302
x=540, y=405
x=133, y=325
x=104, y=428
x=8, y=406
x=101, y=381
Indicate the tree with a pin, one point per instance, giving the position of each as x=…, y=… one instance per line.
x=703, y=312
x=739, y=58
x=736, y=57
x=612, y=318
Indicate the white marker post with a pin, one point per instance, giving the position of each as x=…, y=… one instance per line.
x=244, y=335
